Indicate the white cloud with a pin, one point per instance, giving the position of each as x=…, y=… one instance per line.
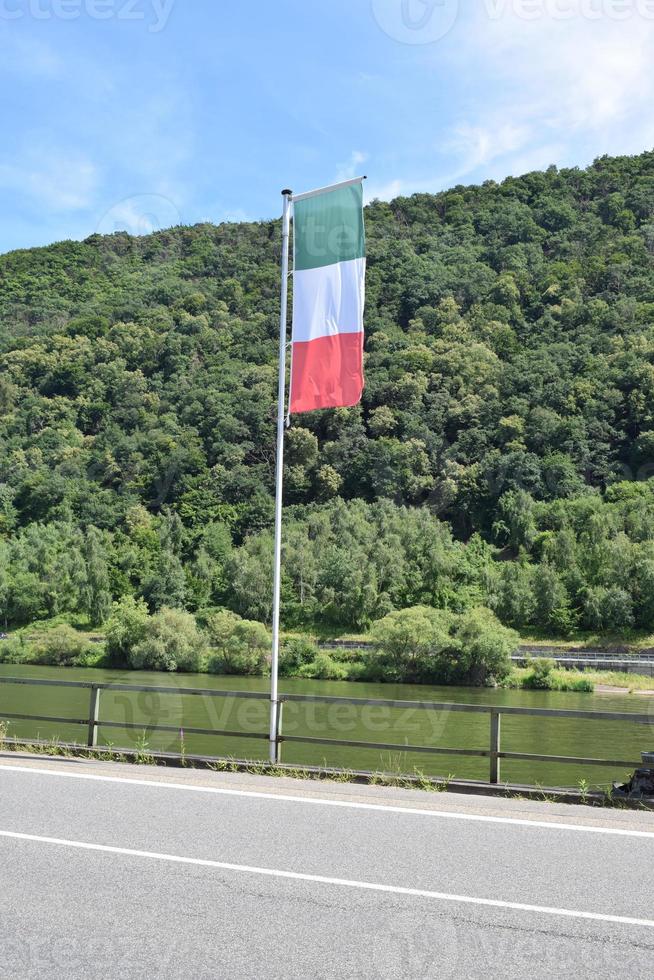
x=58, y=181
x=562, y=79
x=532, y=158
x=346, y=171
x=477, y=145
x=470, y=147
x=386, y=192
x=557, y=87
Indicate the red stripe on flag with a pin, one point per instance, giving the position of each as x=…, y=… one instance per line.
x=327, y=372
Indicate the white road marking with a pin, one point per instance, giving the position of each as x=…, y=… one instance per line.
x=323, y=880
x=314, y=801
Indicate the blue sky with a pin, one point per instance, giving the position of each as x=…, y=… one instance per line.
x=143, y=113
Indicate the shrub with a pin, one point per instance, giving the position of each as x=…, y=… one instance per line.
x=246, y=651
x=579, y=684
x=172, y=642
x=544, y=676
x=357, y=670
x=485, y=647
x=219, y=625
x=15, y=650
x=127, y=627
x=428, y=645
x=296, y=653
x=540, y=676
x=95, y=656
x=324, y=668
x=409, y=645
x=60, y=647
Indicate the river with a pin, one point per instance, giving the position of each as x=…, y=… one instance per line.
x=566, y=736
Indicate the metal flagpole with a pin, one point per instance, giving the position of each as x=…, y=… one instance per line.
x=279, y=485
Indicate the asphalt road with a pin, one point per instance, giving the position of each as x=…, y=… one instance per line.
x=133, y=872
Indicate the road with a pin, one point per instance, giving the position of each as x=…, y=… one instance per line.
x=110, y=871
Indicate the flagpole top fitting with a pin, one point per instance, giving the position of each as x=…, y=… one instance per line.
x=287, y=193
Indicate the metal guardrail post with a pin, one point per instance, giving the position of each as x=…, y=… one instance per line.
x=278, y=730
x=94, y=716
x=495, y=731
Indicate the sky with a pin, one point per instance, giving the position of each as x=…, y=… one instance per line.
x=139, y=114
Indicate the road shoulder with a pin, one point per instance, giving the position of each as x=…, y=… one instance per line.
x=467, y=806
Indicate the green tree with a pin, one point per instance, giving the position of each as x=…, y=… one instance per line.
x=246, y=650
x=517, y=523
x=96, y=594
x=126, y=628
x=166, y=585
x=509, y=399
x=485, y=647
x=172, y=642
x=61, y=646
x=553, y=610
x=250, y=572
x=411, y=644
x=512, y=594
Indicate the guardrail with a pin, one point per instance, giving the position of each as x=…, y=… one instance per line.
x=527, y=652
x=93, y=722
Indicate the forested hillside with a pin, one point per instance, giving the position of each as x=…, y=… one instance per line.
x=502, y=454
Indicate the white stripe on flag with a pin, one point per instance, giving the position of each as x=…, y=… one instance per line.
x=328, y=300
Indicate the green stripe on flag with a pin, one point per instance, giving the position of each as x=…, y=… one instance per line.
x=329, y=228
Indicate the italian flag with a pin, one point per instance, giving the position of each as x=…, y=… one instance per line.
x=328, y=298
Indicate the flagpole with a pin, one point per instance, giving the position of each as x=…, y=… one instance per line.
x=279, y=483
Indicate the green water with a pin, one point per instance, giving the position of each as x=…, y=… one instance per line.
x=544, y=736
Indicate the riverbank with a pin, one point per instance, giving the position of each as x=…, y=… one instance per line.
x=330, y=668
x=58, y=643
x=586, y=681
